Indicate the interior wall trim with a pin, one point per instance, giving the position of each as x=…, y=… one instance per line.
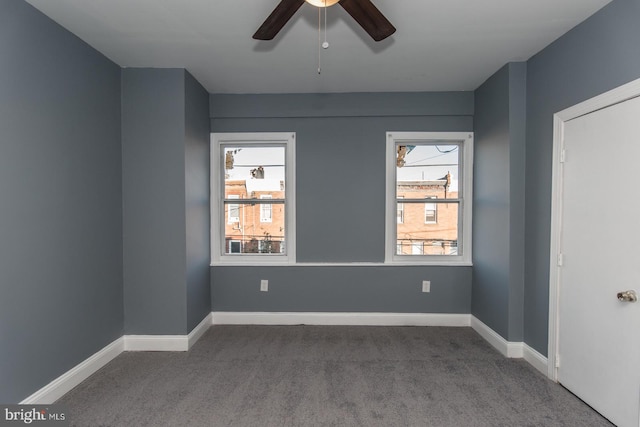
x=167, y=342
x=535, y=359
x=506, y=348
x=199, y=330
x=65, y=382
x=342, y=319
x=156, y=343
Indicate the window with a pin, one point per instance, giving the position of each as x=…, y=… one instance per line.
x=417, y=248
x=431, y=211
x=252, y=198
x=233, y=210
x=265, y=209
x=235, y=246
x=400, y=212
x=429, y=184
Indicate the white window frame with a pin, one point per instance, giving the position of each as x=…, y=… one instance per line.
x=219, y=140
x=465, y=184
x=265, y=207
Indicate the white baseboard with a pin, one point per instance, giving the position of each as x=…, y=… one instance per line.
x=199, y=330
x=65, y=382
x=536, y=359
x=506, y=348
x=511, y=349
x=343, y=319
x=156, y=343
x=167, y=342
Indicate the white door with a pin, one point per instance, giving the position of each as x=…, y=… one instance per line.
x=598, y=335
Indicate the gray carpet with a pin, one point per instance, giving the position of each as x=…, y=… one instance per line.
x=326, y=376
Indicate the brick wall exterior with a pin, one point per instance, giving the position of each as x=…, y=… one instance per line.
x=429, y=233
x=255, y=232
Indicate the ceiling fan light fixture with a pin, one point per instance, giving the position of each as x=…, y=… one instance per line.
x=322, y=3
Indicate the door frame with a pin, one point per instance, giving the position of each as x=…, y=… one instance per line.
x=615, y=96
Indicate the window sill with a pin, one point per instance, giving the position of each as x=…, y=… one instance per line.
x=345, y=264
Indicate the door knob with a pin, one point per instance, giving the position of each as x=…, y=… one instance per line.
x=627, y=296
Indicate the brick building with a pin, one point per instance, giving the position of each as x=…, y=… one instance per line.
x=428, y=228
x=257, y=226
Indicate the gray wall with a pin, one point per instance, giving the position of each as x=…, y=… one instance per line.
x=340, y=148
x=197, y=201
x=165, y=189
x=60, y=201
x=374, y=289
x=517, y=161
x=598, y=55
x=498, y=247
x=153, y=128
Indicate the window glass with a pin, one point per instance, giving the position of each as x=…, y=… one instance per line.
x=255, y=174
x=427, y=170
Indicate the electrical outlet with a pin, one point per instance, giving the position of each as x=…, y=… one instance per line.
x=264, y=285
x=426, y=286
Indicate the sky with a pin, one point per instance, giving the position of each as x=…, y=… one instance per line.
x=423, y=162
x=430, y=162
x=272, y=159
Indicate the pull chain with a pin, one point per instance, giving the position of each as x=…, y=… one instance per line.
x=319, y=38
x=325, y=44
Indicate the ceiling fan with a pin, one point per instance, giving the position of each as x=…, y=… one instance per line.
x=363, y=11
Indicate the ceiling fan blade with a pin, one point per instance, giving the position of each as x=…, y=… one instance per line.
x=278, y=18
x=369, y=17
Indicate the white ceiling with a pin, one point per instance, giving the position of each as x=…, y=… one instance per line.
x=444, y=45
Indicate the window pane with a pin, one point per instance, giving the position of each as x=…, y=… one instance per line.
x=251, y=235
x=252, y=172
x=427, y=170
x=417, y=237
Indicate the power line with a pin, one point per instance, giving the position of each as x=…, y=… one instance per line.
x=412, y=165
x=437, y=155
x=255, y=166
